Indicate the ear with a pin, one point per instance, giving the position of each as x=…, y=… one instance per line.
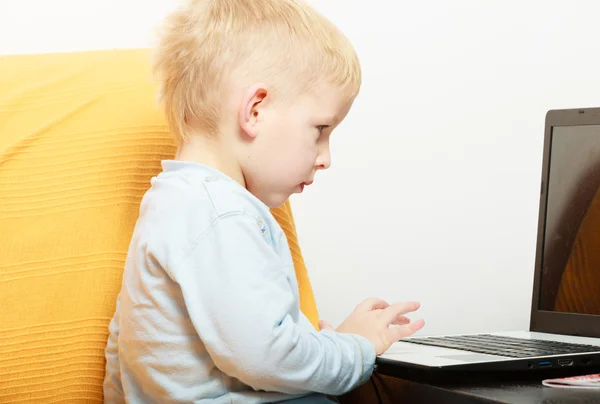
x=251, y=111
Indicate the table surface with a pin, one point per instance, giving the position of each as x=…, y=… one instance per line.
x=402, y=386
x=395, y=390
x=516, y=393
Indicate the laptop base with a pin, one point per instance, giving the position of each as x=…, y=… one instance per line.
x=510, y=371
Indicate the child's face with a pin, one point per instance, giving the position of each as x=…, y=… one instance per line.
x=292, y=143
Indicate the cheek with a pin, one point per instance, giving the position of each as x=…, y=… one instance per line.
x=310, y=156
x=288, y=154
x=298, y=148
x=305, y=152
x=294, y=163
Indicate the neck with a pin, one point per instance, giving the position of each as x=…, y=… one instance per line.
x=203, y=149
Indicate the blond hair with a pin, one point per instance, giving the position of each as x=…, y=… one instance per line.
x=207, y=46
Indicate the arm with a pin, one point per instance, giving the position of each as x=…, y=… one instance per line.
x=113, y=390
x=242, y=306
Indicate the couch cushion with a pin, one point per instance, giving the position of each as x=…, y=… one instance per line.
x=80, y=138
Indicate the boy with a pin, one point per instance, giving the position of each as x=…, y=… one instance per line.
x=209, y=310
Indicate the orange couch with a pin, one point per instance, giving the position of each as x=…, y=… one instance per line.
x=80, y=138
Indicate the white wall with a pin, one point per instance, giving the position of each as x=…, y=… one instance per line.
x=433, y=194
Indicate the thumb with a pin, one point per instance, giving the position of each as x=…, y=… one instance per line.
x=324, y=325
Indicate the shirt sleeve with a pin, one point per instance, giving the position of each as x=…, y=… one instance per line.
x=241, y=303
x=113, y=390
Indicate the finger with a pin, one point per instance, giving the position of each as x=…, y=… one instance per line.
x=403, y=331
x=324, y=325
x=401, y=320
x=372, y=304
x=393, y=311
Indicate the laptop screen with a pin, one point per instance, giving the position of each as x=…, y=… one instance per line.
x=570, y=279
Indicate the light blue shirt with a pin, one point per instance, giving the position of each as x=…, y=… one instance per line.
x=209, y=309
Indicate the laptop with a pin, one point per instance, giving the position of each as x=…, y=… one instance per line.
x=564, y=329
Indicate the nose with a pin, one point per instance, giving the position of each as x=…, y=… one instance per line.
x=323, y=159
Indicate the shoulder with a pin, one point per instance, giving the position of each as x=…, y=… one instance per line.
x=238, y=208
x=187, y=201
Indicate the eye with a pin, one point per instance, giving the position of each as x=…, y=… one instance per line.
x=321, y=128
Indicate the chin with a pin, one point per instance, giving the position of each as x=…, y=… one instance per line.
x=275, y=204
x=272, y=199
x=275, y=201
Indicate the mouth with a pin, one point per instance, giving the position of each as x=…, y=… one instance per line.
x=304, y=184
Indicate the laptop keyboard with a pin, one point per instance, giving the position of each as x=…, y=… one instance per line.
x=504, y=346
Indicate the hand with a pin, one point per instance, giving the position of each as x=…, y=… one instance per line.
x=379, y=322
